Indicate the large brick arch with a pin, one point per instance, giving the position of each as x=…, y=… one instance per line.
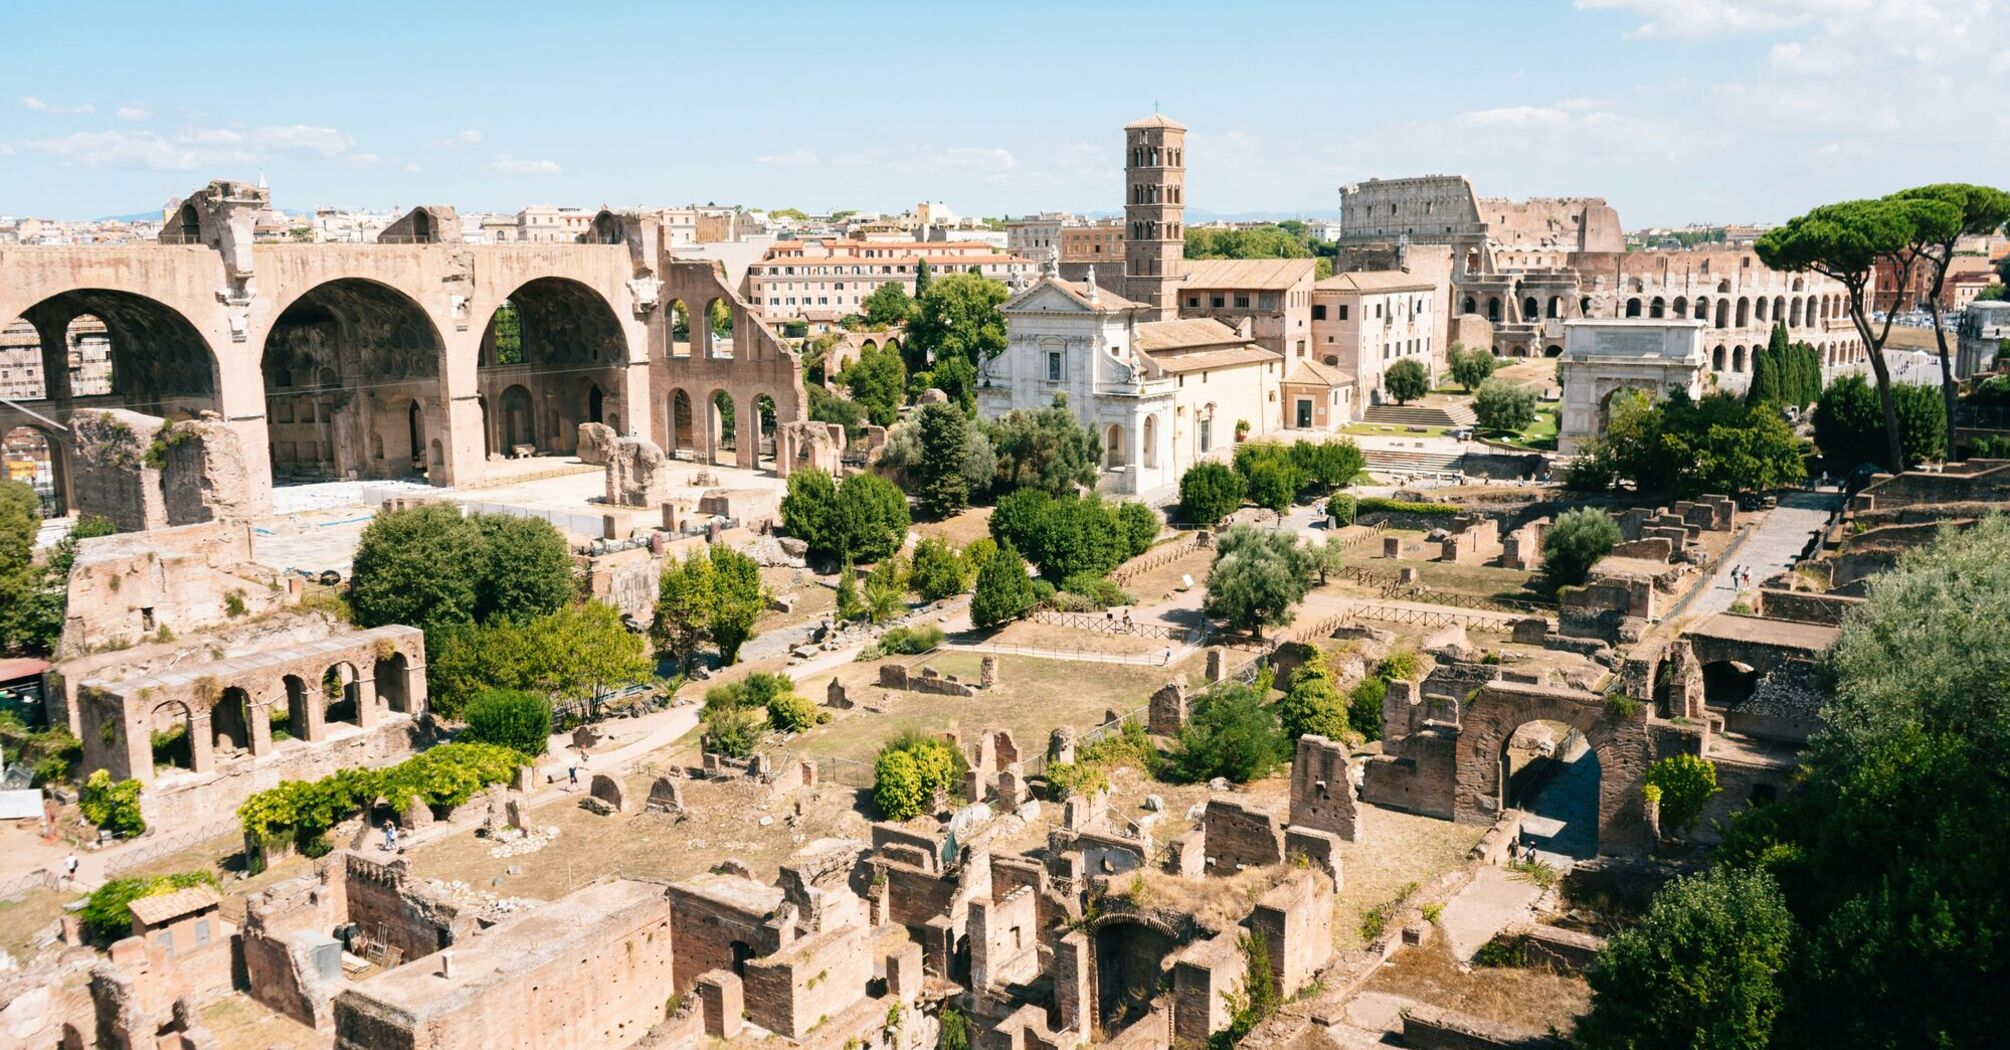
x=1616, y=732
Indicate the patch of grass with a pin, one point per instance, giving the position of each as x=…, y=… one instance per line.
x=1375, y=921
x=1539, y=872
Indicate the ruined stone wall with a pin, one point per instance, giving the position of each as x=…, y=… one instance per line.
x=185, y=803
x=124, y=588
x=712, y=915
x=1295, y=920
x=1805, y=606
x=1421, y=778
x=1204, y=976
x=277, y=968
x=1322, y=788
x=812, y=979
x=384, y=900
x=587, y=972
x=1241, y=835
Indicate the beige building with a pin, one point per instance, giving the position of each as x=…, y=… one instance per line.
x=821, y=281
x=1154, y=213
x=1273, y=295
x=1366, y=321
x=545, y=224
x=1035, y=235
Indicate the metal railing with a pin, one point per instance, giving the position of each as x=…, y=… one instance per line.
x=146, y=851
x=1107, y=624
x=1155, y=558
x=1433, y=617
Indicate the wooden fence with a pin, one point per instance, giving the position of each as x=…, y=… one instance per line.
x=1154, y=558
x=1105, y=623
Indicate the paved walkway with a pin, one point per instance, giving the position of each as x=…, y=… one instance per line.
x=1493, y=901
x=1562, y=818
x=1773, y=546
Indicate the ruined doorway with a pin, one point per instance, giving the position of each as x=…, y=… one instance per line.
x=230, y=722
x=1131, y=962
x=561, y=343
x=1550, y=772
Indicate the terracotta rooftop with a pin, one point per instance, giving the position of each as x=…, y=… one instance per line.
x=1314, y=373
x=1156, y=120
x=1258, y=274
x=1184, y=333
x=1105, y=300
x=153, y=911
x=1227, y=357
x=1374, y=281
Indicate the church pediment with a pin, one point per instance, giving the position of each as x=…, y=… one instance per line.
x=1047, y=300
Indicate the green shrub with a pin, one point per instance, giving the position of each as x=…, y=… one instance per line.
x=910, y=641
x=733, y=731
x=912, y=771
x=791, y=713
x=1100, y=592
x=1575, y=543
x=1068, y=779
x=444, y=777
x=1139, y=526
x=112, y=806
x=106, y=915
x=1313, y=706
x=509, y=718
x=1400, y=666
x=1209, y=492
x=1342, y=507
x=1385, y=504
x=1364, y=707
x=939, y=572
x=1685, y=783
x=1233, y=733
x=1004, y=592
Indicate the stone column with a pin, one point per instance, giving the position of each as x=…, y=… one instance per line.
x=747, y=434
x=201, y=755
x=368, y=708
x=261, y=729
x=455, y=417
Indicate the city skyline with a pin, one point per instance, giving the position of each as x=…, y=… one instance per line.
x=1698, y=111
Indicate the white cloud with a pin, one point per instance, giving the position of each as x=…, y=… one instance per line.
x=512, y=166
x=365, y=160
x=1704, y=18
x=302, y=138
x=1515, y=117
x=795, y=158
x=39, y=106
x=134, y=113
x=465, y=138
x=192, y=148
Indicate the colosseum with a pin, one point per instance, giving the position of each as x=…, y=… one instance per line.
x=1528, y=266
x=415, y=357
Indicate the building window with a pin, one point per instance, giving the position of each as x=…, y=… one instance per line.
x=1318, y=312
x=1217, y=301
x=1193, y=301
x=1053, y=367
x=1242, y=300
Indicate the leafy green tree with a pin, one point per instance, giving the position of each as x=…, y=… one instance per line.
x=421, y=567
x=1208, y=492
x=730, y=731
x=939, y=572
x=945, y=443
x=1046, y=449
x=509, y=718
x=1849, y=432
x=1328, y=558
x=111, y=805
x=808, y=506
x=1327, y=465
x=21, y=584
x=1364, y=706
x=886, y=589
x=1504, y=407
x=869, y=519
x=1313, y=705
x=107, y=913
x=1984, y=210
x=1407, y=380
x=1004, y=591
x=792, y=713
x=826, y=407
x=1846, y=242
x=737, y=601
x=526, y=571
x=1079, y=535
x=1685, y=447
x=1020, y=519
x=923, y=279
x=877, y=379
x=957, y=319
x=1575, y=543
x=1232, y=733
x=684, y=601
x=1700, y=973
x=849, y=605
x=1271, y=486
x=1472, y=367
x=1139, y=526
x=573, y=653
x=888, y=305
x=1683, y=784
x=1257, y=576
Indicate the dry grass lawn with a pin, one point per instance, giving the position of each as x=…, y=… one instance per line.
x=239, y=1023
x=960, y=530
x=1396, y=849
x=1534, y=1000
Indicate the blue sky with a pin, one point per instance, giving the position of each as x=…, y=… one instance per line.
x=1674, y=110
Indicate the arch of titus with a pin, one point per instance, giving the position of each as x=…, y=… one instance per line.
x=416, y=356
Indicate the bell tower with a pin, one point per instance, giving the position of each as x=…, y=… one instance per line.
x=1154, y=213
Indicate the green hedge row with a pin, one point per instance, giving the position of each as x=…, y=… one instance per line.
x=1371, y=504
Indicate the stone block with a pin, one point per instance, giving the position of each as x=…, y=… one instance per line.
x=903, y=972
x=722, y=997
x=1166, y=712
x=596, y=443
x=666, y=795
x=610, y=790
x=638, y=474
x=1241, y=835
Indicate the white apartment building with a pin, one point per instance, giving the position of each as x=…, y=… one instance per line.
x=1365, y=321
x=821, y=281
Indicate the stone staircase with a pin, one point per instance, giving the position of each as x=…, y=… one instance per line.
x=1396, y=461
x=1419, y=415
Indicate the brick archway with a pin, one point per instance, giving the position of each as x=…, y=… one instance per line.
x=1616, y=732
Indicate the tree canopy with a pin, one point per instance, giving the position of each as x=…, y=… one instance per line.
x=431, y=568
x=1849, y=429
x=877, y=380
x=1686, y=447
x=942, y=489
x=1470, y=368
x=1209, y=492
x=889, y=304
x=1575, y=543
x=1257, y=576
x=957, y=329
x=1046, y=449
x=1407, y=380
x=1503, y=406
